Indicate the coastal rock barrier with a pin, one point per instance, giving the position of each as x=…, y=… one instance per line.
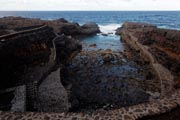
x=135, y=35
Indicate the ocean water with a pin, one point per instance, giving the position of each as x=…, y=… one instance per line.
x=164, y=19
x=108, y=21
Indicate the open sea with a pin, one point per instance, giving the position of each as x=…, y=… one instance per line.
x=164, y=19
x=108, y=21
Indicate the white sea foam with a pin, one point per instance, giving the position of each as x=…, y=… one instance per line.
x=110, y=28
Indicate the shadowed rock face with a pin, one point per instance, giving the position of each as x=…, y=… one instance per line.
x=69, y=29
x=22, y=51
x=62, y=20
x=65, y=46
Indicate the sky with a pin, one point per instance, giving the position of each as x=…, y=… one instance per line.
x=66, y=5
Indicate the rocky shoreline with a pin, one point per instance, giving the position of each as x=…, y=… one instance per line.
x=34, y=48
x=44, y=60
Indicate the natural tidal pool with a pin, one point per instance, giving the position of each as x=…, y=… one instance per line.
x=102, y=41
x=106, y=74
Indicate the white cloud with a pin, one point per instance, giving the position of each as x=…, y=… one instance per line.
x=89, y=4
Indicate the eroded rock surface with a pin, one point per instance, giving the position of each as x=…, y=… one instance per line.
x=61, y=26
x=106, y=79
x=164, y=44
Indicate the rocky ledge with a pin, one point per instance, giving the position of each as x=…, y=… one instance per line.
x=163, y=44
x=74, y=29
x=60, y=26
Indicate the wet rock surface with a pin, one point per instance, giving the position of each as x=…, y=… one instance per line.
x=105, y=79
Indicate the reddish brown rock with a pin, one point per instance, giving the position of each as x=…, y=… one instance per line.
x=164, y=44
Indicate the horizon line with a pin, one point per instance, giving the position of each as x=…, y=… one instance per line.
x=87, y=10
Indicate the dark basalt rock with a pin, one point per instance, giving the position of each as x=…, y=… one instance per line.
x=108, y=58
x=2, y=27
x=104, y=34
x=75, y=29
x=90, y=29
x=62, y=20
x=22, y=51
x=65, y=46
x=92, y=45
x=135, y=25
x=69, y=29
x=118, y=31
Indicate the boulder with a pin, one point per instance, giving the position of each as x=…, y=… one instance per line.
x=92, y=45
x=118, y=31
x=62, y=20
x=90, y=28
x=74, y=29
x=108, y=58
x=69, y=29
x=104, y=34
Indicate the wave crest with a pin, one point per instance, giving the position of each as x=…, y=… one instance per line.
x=110, y=28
